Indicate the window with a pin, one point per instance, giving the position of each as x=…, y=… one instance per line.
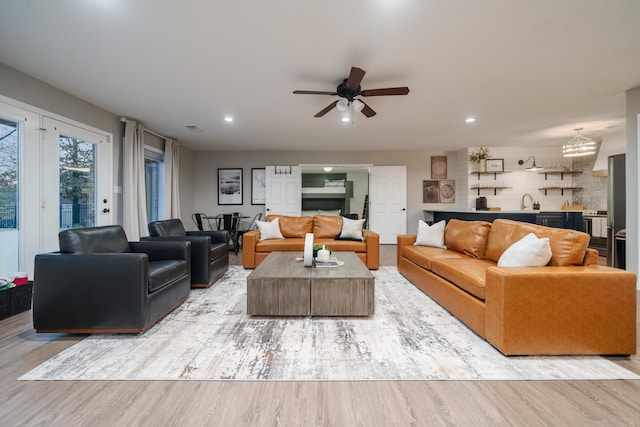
x=77, y=183
x=154, y=183
x=8, y=175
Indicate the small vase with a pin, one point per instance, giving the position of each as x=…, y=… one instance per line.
x=483, y=165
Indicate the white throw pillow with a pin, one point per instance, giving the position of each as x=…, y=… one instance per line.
x=527, y=252
x=431, y=235
x=270, y=230
x=351, y=229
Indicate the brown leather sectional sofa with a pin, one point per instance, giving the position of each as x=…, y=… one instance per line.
x=570, y=306
x=324, y=228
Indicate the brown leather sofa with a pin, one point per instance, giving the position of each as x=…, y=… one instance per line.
x=570, y=306
x=324, y=228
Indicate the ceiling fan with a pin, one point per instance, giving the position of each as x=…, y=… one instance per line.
x=349, y=89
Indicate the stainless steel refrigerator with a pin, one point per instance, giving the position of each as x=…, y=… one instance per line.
x=616, y=211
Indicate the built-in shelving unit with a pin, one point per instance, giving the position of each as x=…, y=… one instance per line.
x=562, y=173
x=495, y=174
x=494, y=188
x=559, y=188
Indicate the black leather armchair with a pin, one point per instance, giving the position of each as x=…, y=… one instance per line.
x=209, y=249
x=100, y=282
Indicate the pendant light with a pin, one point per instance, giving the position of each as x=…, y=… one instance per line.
x=579, y=145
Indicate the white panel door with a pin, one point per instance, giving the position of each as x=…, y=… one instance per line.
x=388, y=202
x=283, y=190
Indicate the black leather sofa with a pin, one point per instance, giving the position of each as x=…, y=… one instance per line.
x=209, y=249
x=100, y=282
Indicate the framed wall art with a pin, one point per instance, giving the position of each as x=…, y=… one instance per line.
x=495, y=165
x=230, y=186
x=447, y=191
x=438, y=167
x=430, y=191
x=258, y=186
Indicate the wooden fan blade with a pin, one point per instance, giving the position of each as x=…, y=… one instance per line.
x=355, y=77
x=367, y=111
x=313, y=92
x=327, y=109
x=386, y=91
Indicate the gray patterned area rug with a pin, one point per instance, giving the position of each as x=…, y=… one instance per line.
x=210, y=337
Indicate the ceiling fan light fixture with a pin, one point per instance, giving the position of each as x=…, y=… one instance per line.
x=342, y=105
x=579, y=146
x=357, y=105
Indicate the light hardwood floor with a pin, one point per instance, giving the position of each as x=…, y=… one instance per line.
x=305, y=403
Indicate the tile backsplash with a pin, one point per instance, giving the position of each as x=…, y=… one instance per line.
x=594, y=189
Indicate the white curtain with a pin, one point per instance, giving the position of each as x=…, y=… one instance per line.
x=134, y=193
x=172, y=178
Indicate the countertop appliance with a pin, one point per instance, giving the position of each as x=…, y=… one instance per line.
x=481, y=204
x=616, y=210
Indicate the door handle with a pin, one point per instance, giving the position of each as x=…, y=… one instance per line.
x=106, y=210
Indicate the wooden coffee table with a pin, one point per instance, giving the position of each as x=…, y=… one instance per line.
x=282, y=286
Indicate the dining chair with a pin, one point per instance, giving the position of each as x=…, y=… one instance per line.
x=230, y=223
x=198, y=220
x=252, y=225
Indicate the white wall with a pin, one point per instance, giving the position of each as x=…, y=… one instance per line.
x=207, y=163
x=521, y=181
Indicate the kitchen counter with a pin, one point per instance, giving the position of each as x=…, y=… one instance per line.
x=551, y=218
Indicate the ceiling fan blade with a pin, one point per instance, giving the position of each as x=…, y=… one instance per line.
x=367, y=111
x=355, y=77
x=326, y=109
x=313, y=92
x=386, y=91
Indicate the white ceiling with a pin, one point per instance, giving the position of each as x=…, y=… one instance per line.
x=529, y=70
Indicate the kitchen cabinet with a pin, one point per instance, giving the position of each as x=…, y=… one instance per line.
x=557, y=219
x=572, y=220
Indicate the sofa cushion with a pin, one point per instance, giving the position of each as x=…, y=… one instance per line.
x=430, y=235
x=293, y=226
x=270, y=230
x=166, y=228
x=466, y=273
x=467, y=237
x=218, y=250
x=326, y=226
x=527, y=252
x=422, y=255
x=568, y=247
x=289, y=244
x=342, y=245
x=351, y=229
x=165, y=272
x=104, y=239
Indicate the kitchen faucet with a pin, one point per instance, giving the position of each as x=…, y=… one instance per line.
x=522, y=205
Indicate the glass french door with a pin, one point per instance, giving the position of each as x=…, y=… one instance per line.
x=76, y=179
x=10, y=138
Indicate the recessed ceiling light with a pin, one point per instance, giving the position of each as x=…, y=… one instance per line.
x=470, y=120
x=228, y=119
